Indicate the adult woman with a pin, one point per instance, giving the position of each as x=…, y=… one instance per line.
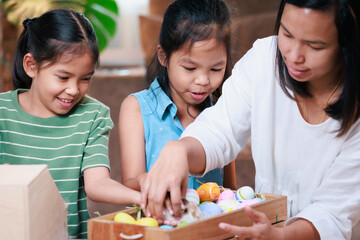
x=297, y=94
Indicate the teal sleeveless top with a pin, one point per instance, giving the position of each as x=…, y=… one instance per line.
x=161, y=125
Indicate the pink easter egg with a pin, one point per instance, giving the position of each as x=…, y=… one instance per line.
x=226, y=195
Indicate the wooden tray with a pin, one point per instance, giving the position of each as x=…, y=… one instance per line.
x=275, y=208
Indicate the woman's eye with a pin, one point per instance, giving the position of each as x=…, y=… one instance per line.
x=315, y=48
x=287, y=35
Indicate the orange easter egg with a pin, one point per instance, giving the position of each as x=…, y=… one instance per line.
x=208, y=192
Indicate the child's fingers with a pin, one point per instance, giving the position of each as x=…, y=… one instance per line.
x=156, y=199
x=168, y=206
x=176, y=202
x=144, y=195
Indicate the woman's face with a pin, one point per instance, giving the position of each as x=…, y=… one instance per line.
x=308, y=42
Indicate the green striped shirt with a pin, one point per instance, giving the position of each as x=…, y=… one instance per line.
x=68, y=144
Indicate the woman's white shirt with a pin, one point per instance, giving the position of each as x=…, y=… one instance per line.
x=318, y=172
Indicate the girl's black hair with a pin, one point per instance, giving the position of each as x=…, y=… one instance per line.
x=347, y=16
x=55, y=34
x=189, y=21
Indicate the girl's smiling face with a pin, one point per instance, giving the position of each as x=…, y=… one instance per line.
x=308, y=42
x=55, y=89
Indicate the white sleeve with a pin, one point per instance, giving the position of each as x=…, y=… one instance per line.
x=224, y=128
x=335, y=206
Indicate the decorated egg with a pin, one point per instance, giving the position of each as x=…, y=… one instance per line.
x=147, y=221
x=182, y=224
x=124, y=218
x=244, y=193
x=208, y=192
x=251, y=201
x=209, y=209
x=166, y=227
x=259, y=199
x=192, y=196
x=229, y=205
x=225, y=195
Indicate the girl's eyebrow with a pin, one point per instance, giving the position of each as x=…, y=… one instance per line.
x=188, y=60
x=220, y=63
x=66, y=72
x=307, y=41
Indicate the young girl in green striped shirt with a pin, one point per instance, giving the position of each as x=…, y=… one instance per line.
x=50, y=120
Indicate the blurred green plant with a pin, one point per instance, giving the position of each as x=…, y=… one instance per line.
x=101, y=13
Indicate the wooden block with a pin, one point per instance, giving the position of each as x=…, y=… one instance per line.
x=275, y=208
x=31, y=206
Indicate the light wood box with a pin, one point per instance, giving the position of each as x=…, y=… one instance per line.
x=275, y=207
x=31, y=206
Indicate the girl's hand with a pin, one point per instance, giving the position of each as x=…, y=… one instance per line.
x=261, y=229
x=169, y=174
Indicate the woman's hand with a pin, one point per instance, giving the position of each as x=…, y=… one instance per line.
x=169, y=174
x=261, y=229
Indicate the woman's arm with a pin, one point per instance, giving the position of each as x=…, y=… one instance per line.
x=99, y=187
x=132, y=143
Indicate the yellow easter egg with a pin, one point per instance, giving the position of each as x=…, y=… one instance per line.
x=147, y=221
x=208, y=192
x=124, y=218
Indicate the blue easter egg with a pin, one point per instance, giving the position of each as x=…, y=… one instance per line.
x=210, y=209
x=166, y=227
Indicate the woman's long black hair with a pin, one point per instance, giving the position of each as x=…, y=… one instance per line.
x=347, y=13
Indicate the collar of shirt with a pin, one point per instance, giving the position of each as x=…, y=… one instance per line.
x=164, y=102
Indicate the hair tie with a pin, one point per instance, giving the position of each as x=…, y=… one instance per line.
x=26, y=22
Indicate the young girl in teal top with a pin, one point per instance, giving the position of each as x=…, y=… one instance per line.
x=187, y=72
x=50, y=120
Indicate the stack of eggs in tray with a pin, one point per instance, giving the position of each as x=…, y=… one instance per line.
x=212, y=201
x=207, y=201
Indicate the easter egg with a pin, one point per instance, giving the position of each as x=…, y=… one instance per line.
x=244, y=193
x=147, y=221
x=251, y=201
x=192, y=196
x=166, y=227
x=208, y=192
x=182, y=224
x=229, y=205
x=124, y=218
x=225, y=195
x=209, y=209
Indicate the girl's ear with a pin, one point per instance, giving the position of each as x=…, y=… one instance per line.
x=29, y=65
x=161, y=56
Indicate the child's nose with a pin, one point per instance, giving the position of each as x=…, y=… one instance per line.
x=202, y=79
x=72, y=89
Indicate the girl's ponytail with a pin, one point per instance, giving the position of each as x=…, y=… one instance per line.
x=20, y=78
